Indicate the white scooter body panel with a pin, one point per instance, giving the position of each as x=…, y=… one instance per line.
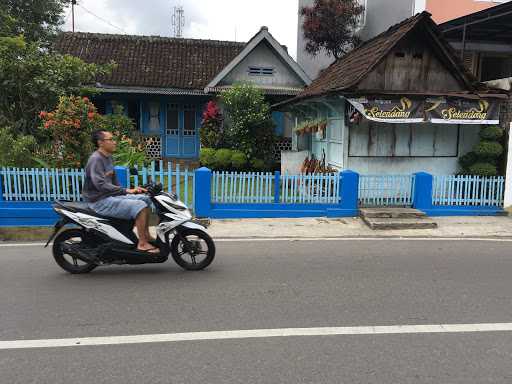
x=93, y=222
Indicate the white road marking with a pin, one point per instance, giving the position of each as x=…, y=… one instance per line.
x=250, y=239
x=256, y=333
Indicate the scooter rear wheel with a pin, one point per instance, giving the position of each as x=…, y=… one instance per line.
x=68, y=262
x=192, y=249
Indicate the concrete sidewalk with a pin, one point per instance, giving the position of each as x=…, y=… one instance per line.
x=448, y=227
x=470, y=227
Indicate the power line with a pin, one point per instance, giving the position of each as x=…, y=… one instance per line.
x=102, y=19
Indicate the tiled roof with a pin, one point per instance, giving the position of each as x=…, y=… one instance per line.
x=350, y=69
x=152, y=61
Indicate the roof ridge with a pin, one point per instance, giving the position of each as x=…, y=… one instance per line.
x=148, y=38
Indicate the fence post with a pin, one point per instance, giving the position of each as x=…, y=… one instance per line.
x=423, y=184
x=277, y=186
x=349, y=190
x=123, y=176
x=203, y=192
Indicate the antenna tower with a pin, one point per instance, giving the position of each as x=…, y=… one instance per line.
x=178, y=21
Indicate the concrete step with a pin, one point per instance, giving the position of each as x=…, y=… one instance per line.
x=399, y=223
x=403, y=213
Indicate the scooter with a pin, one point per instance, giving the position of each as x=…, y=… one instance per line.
x=96, y=241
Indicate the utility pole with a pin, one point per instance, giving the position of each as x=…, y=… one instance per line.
x=73, y=2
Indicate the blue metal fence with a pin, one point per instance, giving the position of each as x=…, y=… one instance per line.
x=311, y=189
x=386, y=190
x=41, y=184
x=243, y=187
x=26, y=194
x=259, y=187
x=467, y=190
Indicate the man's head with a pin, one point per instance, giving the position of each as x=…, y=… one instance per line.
x=104, y=141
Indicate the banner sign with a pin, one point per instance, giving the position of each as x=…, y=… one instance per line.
x=444, y=110
x=461, y=111
x=393, y=110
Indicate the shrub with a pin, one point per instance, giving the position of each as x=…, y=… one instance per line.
x=468, y=159
x=207, y=157
x=16, y=151
x=488, y=149
x=223, y=159
x=211, y=126
x=483, y=169
x=486, y=154
x=238, y=160
x=69, y=129
x=249, y=125
x=491, y=133
x=258, y=164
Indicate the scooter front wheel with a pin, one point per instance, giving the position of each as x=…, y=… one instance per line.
x=192, y=249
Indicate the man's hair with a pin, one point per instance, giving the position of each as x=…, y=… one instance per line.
x=97, y=136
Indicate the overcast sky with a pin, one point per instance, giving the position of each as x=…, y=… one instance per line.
x=204, y=19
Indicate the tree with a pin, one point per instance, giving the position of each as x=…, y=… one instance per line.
x=32, y=80
x=36, y=20
x=330, y=25
x=249, y=125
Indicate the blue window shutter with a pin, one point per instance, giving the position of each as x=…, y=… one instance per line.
x=278, y=118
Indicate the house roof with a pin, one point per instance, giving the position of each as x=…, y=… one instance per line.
x=262, y=35
x=345, y=73
x=152, y=61
x=492, y=24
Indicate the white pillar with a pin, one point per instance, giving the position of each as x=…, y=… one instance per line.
x=508, y=174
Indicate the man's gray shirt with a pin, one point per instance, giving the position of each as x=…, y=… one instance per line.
x=100, y=178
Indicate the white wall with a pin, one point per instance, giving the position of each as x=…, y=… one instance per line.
x=380, y=15
x=408, y=165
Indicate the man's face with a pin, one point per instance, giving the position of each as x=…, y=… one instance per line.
x=107, y=144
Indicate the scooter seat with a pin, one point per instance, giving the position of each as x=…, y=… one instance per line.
x=75, y=206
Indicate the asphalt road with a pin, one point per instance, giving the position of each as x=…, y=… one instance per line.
x=266, y=285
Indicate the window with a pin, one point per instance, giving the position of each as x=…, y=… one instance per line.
x=261, y=71
x=172, y=127
x=189, y=128
x=134, y=113
x=372, y=139
x=154, y=118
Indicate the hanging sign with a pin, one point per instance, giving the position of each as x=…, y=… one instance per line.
x=436, y=110
x=390, y=110
x=461, y=111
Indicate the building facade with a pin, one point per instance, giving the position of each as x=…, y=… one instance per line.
x=399, y=103
x=164, y=83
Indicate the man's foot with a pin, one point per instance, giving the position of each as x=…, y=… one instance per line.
x=148, y=248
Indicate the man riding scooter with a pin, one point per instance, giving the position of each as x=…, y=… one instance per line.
x=106, y=197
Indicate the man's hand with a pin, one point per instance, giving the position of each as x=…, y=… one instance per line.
x=135, y=191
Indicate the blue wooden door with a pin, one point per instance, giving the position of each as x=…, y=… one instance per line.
x=189, y=138
x=172, y=131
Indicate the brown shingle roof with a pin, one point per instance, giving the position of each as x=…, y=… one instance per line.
x=351, y=68
x=152, y=61
x=345, y=73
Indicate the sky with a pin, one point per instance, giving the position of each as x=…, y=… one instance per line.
x=204, y=19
